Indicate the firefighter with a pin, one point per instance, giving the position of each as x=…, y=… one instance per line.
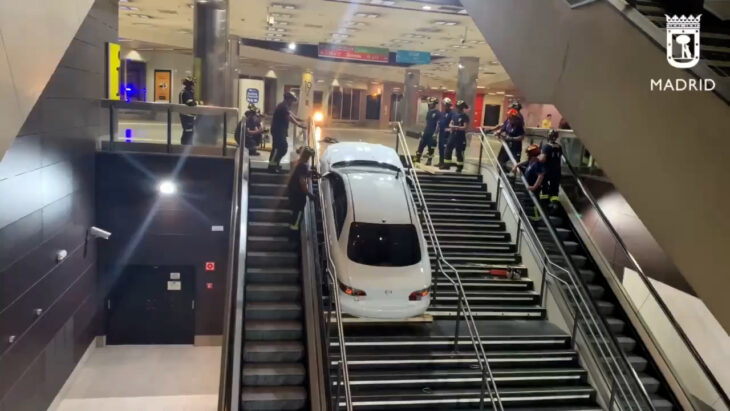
x=457, y=140
x=552, y=153
x=280, y=129
x=513, y=132
x=187, y=121
x=443, y=129
x=432, y=119
x=534, y=172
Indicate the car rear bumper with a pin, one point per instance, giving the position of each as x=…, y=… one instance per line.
x=382, y=310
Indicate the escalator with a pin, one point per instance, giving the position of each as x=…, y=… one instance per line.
x=596, y=64
x=605, y=301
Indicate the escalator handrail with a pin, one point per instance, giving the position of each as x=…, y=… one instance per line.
x=581, y=303
x=231, y=355
x=477, y=344
x=645, y=279
x=332, y=276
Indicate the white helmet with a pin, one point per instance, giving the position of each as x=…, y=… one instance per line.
x=447, y=101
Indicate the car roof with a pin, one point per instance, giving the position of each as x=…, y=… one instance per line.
x=378, y=197
x=354, y=151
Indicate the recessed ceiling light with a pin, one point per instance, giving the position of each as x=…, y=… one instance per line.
x=426, y=7
x=281, y=23
x=460, y=46
x=280, y=15
x=500, y=92
x=445, y=23
x=340, y=35
x=283, y=6
x=274, y=34
x=355, y=24
x=414, y=36
x=463, y=11
x=272, y=39
x=292, y=46
x=367, y=15
x=276, y=29
x=383, y=2
x=494, y=63
x=492, y=94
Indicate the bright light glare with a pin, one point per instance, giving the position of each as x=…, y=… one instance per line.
x=427, y=7
x=317, y=136
x=292, y=46
x=167, y=187
x=318, y=117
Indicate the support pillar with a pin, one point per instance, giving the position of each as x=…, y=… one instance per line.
x=409, y=105
x=306, y=95
x=211, y=68
x=467, y=80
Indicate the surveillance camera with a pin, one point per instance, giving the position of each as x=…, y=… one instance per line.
x=99, y=233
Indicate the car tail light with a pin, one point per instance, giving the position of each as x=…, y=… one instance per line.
x=351, y=291
x=419, y=295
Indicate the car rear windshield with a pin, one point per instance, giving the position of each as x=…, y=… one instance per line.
x=384, y=245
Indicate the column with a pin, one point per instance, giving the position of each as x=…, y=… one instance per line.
x=306, y=95
x=467, y=80
x=211, y=69
x=409, y=105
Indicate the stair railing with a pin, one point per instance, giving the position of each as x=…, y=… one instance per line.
x=617, y=266
x=611, y=360
x=463, y=309
x=342, y=381
x=231, y=353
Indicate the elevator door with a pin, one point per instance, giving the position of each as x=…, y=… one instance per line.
x=152, y=305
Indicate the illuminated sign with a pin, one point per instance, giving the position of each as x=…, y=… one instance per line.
x=338, y=51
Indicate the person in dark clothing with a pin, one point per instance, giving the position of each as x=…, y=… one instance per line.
x=298, y=189
x=457, y=141
x=443, y=129
x=564, y=125
x=432, y=119
x=187, y=121
x=513, y=132
x=534, y=172
x=280, y=129
x=552, y=153
x=250, y=129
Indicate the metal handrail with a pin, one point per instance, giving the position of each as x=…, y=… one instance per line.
x=645, y=279
x=332, y=283
x=581, y=304
x=488, y=380
x=231, y=355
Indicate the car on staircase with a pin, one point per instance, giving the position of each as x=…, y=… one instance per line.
x=375, y=238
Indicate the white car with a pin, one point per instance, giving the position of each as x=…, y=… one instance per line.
x=375, y=237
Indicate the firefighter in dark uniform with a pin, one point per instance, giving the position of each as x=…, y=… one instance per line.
x=457, y=140
x=250, y=129
x=513, y=132
x=279, y=130
x=187, y=121
x=298, y=189
x=534, y=171
x=552, y=153
x=432, y=119
x=443, y=129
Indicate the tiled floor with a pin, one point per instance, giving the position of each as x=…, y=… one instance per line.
x=136, y=378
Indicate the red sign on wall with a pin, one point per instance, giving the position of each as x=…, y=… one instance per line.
x=210, y=266
x=338, y=51
x=209, y=286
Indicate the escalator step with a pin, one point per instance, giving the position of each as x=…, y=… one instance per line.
x=273, y=351
x=273, y=398
x=273, y=374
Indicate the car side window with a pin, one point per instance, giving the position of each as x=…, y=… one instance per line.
x=339, y=201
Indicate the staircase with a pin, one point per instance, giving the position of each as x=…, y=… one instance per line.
x=273, y=352
x=424, y=364
x=605, y=301
x=474, y=240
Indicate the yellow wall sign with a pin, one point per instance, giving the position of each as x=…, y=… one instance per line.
x=113, y=71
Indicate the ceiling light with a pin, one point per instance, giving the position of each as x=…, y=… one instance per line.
x=281, y=23
x=494, y=63
x=280, y=15
x=367, y=15
x=283, y=6
x=426, y=7
x=462, y=11
x=276, y=29
x=167, y=187
x=320, y=81
x=461, y=66
x=292, y=46
x=500, y=92
x=355, y=24
x=445, y=23
x=335, y=83
x=129, y=8
x=272, y=39
x=460, y=46
x=274, y=34
x=340, y=35
x=270, y=74
x=383, y=2
x=480, y=87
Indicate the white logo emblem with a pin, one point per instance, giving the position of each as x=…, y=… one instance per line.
x=683, y=41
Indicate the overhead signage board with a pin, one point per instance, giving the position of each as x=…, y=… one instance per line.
x=339, y=51
x=412, y=57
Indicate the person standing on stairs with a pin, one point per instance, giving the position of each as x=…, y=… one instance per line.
x=513, y=132
x=443, y=129
x=534, y=172
x=298, y=189
x=552, y=153
x=432, y=119
x=280, y=129
x=457, y=141
x=187, y=121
